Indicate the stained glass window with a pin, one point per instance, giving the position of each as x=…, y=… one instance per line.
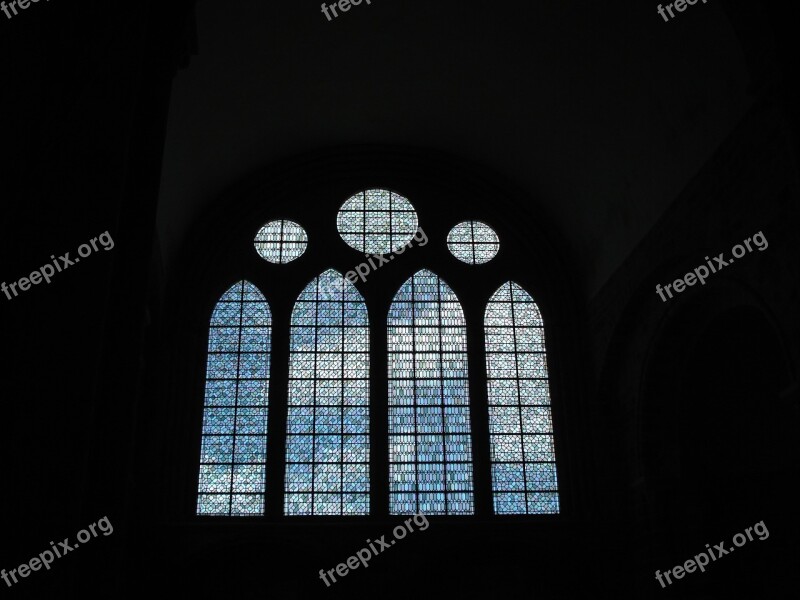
x=473, y=242
x=520, y=421
x=281, y=241
x=430, y=448
x=377, y=221
x=234, y=442
x=327, y=457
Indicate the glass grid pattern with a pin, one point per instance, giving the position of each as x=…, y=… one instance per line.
x=473, y=242
x=281, y=242
x=430, y=445
x=520, y=421
x=327, y=457
x=234, y=439
x=377, y=221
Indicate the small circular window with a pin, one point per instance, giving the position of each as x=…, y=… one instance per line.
x=377, y=221
x=281, y=241
x=473, y=242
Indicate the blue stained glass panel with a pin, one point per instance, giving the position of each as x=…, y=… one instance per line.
x=327, y=454
x=233, y=452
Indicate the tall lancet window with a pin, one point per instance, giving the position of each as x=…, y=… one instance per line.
x=234, y=443
x=430, y=450
x=520, y=421
x=327, y=457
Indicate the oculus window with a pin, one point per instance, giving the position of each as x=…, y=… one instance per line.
x=377, y=221
x=473, y=242
x=281, y=241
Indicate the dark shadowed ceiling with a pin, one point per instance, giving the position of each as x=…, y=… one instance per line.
x=600, y=111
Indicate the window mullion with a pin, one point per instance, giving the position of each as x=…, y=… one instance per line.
x=379, y=415
x=278, y=411
x=479, y=408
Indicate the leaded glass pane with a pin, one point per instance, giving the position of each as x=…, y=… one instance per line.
x=520, y=421
x=377, y=221
x=281, y=241
x=233, y=452
x=473, y=242
x=327, y=454
x=430, y=445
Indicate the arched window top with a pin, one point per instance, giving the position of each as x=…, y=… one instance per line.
x=242, y=304
x=511, y=304
x=426, y=287
x=330, y=286
x=377, y=221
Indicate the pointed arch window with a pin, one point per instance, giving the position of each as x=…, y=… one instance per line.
x=327, y=455
x=430, y=448
x=323, y=362
x=234, y=441
x=520, y=421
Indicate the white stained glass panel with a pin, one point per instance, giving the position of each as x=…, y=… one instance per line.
x=473, y=242
x=281, y=242
x=523, y=459
x=430, y=443
x=377, y=221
